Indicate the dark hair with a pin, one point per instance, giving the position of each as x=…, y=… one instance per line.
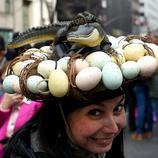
x=2, y=44
x=52, y=136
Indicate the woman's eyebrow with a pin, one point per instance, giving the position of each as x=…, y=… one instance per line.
x=122, y=99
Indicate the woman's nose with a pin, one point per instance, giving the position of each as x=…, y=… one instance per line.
x=110, y=125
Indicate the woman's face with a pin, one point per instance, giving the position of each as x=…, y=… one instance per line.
x=94, y=127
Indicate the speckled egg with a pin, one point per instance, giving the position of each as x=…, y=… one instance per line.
x=58, y=83
x=112, y=76
x=88, y=78
x=130, y=69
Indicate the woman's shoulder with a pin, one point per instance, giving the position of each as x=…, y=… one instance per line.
x=20, y=145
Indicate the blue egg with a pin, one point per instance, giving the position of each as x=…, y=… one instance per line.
x=8, y=83
x=112, y=76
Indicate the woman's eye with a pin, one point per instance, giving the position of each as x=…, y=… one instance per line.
x=94, y=112
x=118, y=108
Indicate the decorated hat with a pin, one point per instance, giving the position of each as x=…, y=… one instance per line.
x=82, y=62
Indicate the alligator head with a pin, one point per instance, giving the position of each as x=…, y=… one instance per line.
x=90, y=34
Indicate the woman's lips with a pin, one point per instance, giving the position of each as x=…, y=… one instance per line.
x=102, y=141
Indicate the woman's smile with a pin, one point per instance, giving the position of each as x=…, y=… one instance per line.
x=102, y=141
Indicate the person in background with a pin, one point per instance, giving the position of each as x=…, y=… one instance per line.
x=144, y=118
x=15, y=111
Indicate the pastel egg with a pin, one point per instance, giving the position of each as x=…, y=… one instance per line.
x=48, y=50
x=112, y=76
x=63, y=63
x=8, y=83
x=88, y=78
x=118, y=59
x=154, y=48
x=18, y=67
x=134, y=51
x=80, y=64
x=36, y=84
x=130, y=69
x=46, y=67
x=98, y=59
x=148, y=65
x=137, y=41
x=16, y=86
x=31, y=51
x=58, y=83
x=113, y=41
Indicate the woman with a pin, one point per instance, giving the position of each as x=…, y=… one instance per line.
x=83, y=94
x=67, y=129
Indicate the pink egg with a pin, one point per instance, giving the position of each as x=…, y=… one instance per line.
x=80, y=64
x=148, y=65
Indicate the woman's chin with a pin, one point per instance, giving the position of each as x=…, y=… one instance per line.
x=98, y=150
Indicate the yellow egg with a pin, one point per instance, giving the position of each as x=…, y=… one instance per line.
x=134, y=51
x=17, y=68
x=58, y=83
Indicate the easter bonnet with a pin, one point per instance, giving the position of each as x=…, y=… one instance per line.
x=82, y=62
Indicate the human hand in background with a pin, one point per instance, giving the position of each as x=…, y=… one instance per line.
x=10, y=100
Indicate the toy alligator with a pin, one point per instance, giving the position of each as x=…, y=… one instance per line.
x=83, y=30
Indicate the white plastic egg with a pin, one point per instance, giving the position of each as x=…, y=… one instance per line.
x=148, y=65
x=36, y=84
x=130, y=69
x=46, y=67
x=88, y=78
x=112, y=76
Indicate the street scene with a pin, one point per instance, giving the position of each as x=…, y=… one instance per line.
x=78, y=79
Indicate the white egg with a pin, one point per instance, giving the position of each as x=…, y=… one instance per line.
x=112, y=76
x=46, y=67
x=36, y=84
x=148, y=66
x=63, y=63
x=113, y=41
x=154, y=48
x=130, y=69
x=137, y=41
x=88, y=78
